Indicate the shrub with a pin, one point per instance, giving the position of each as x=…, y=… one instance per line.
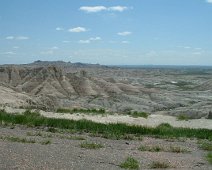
x=182, y=117
x=159, y=165
x=130, y=163
x=209, y=157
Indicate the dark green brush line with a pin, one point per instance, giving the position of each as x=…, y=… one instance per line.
x=34, y=119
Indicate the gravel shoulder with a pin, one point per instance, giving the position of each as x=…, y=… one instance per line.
x=65, y=153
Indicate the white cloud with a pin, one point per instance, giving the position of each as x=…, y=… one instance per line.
x=187, y=47
x=78, y=29
x=125, y=33
x=198, y=48
x=22, y=38
x=84, y=41
x=9, y=53
x=10, y=38
x=49, y=52
x=125, y=42
x=65, y=41
x=15, y=47
x=118, y=8
x=54, y=48
x=89, y=40
x=59, y=29
x=95, y=38
x=197, y=53
x=209, y=1
x=17, y=38
x=91, y=9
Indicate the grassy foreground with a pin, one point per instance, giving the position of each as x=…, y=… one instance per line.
x=35, y=119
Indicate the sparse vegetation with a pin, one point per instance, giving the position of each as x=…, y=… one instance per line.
x=159, y=165
x=75, y=110
x=209, y=157
x=118, y=129
x=182, y=117
x=177, y=149
x=151, y=148
x=206, y=145
x=73, y=137
x=46, y=142
x=164, y=125
x=17, y=139
x=130, y=163
x=63, y=110
x=46, y=135
x=138, y=114
x=156, y=148
x=89, y=145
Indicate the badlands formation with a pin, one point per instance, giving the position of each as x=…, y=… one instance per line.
x=155, y=90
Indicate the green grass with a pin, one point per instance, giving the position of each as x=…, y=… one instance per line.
x=130, y=163
x=209, y=157
x=181, y=117
x=89, y=145
x=206, y=145
x=118, y=129
x=17, y=139
x=159, y=165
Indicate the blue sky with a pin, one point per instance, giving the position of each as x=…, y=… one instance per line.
x=140, y=32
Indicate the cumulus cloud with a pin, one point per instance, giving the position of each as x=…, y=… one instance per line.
x=209, y=1
x=59, y=29
x=93, y=9
x=78, y=29
x=125, y=33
